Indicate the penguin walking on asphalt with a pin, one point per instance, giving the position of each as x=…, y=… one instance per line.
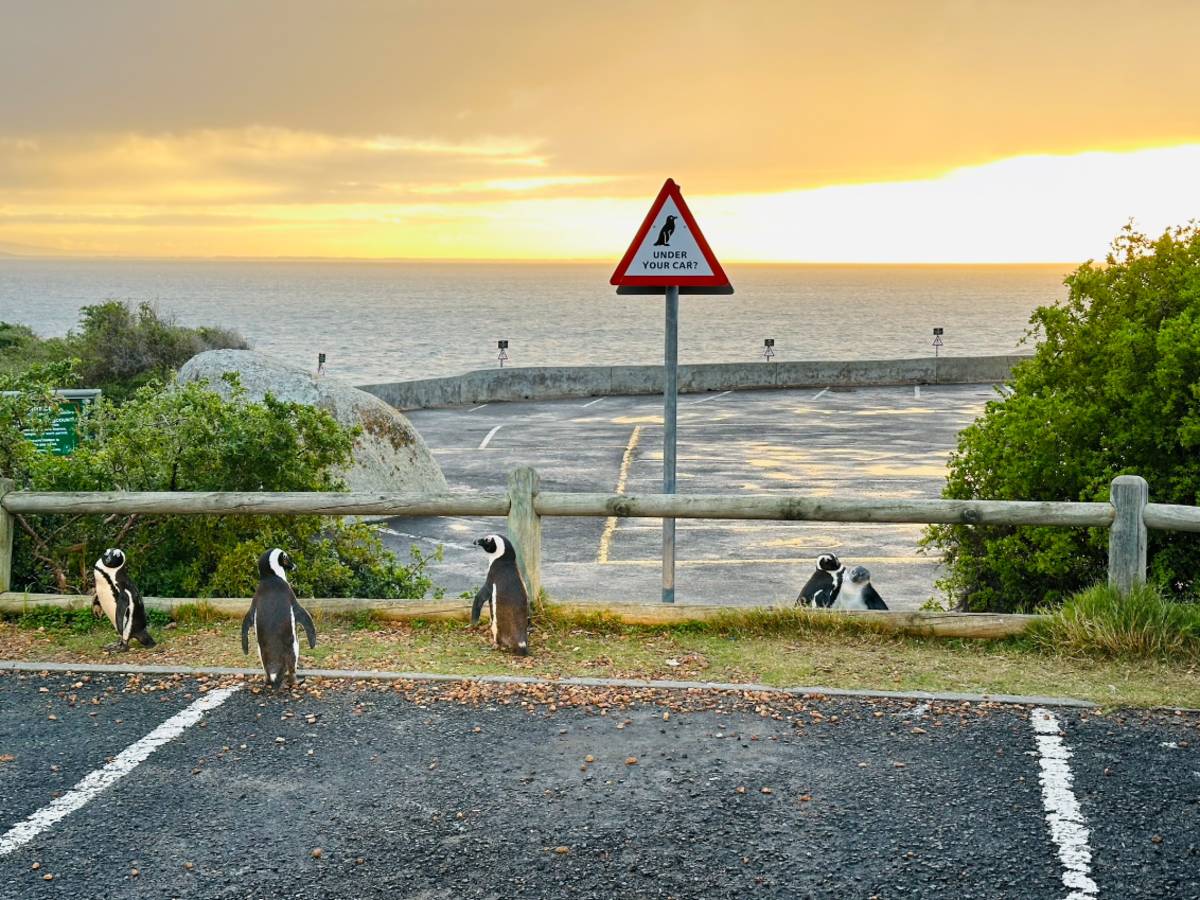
x=118, y=598
x=821, y=589
x=664, y=233
x=858, y=593
x=273, y=615
x=504, y=593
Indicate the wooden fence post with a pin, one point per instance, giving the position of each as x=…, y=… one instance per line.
x=6, y=538
x=525, y=527
x=1127, y=537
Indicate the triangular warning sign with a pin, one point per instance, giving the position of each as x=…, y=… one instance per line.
x=669, y=250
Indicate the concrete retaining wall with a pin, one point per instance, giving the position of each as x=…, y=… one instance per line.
x=552, y=382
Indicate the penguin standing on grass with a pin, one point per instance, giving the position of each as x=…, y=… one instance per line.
x=273, y=615
x=857, y=592
x=821, y=589
x=118, y=598
x=504, y=593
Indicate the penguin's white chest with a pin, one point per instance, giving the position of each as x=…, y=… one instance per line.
x=851, y=597
x=104, y=593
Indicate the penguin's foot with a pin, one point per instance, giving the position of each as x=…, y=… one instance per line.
x=116, y=647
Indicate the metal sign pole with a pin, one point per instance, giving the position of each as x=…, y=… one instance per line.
x=670, y=397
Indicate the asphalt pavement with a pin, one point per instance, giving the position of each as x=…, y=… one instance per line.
x=369, y=790
x=880, y=442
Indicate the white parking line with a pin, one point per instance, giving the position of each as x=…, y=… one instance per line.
x=110, y=773
x=821, y=394
x=594, y=402
x=711, y=397
x=917, y=391
x=487, y=440
x=1068, y=829
x=481, y=406
x=421, y=537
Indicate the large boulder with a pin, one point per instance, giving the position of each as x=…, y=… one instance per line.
x=389, y=455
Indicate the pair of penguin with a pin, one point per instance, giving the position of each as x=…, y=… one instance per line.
x=831, y=587
x=273, y=613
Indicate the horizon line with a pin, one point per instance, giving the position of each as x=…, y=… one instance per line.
x=65, y=257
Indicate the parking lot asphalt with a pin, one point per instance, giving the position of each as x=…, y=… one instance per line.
x=885, y=442
x=365, y=790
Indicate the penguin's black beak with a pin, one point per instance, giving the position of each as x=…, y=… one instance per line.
x=478, y=542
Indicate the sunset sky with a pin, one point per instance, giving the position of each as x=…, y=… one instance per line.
x=841, y=132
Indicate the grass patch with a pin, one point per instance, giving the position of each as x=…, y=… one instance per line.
x=1141, y=625
x=60, y=619
x=776, y=649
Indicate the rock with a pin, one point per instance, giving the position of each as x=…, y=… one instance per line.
x=389, y=455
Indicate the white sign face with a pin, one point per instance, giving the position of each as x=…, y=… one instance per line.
x=668, y=248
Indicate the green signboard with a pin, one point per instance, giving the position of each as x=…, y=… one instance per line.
x=62, y=436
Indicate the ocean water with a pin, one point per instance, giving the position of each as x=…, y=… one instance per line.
x=391, y=321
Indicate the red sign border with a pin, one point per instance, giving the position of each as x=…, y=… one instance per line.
x=718, y=277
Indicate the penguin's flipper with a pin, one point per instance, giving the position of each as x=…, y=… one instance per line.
x=481, y=598
x=246, y=623
x=124, y=615
x=306, y=621
x=872, y=599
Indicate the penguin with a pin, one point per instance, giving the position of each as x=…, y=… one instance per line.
x=504, y=593
x=822, y=587
x=118, y=598
x=858, y=593
x=664, y=233
x=273, y=615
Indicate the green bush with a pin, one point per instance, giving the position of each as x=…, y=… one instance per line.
x=27, y=401
x=1100, y=622
x=118, y=347
x=189, y=438
x=1112, y=389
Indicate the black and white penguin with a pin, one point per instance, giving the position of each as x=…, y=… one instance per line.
x=504, y=592
x=664, y=233
x=118, y=598
x=821, y=589
x=273, y=615
x=857, y=592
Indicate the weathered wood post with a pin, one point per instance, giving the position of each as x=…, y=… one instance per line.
x=525, y=527
x=1127, y=537
x=6, y=537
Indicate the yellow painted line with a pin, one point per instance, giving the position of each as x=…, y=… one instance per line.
x=610, y=524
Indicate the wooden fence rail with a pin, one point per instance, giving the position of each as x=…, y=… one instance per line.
x=1127, y=515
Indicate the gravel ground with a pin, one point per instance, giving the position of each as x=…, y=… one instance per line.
x=362, y=790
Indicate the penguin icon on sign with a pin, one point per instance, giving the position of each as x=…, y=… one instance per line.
x=664, y=233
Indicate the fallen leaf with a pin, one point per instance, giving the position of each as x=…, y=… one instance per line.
x=631, y=760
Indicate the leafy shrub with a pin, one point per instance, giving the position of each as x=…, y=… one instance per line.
x=1113, y=389
x=118, y=347
x=1143, y=624
x=27, y=401
x=189, y=438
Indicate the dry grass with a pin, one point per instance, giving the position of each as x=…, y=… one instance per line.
x=737, y=649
